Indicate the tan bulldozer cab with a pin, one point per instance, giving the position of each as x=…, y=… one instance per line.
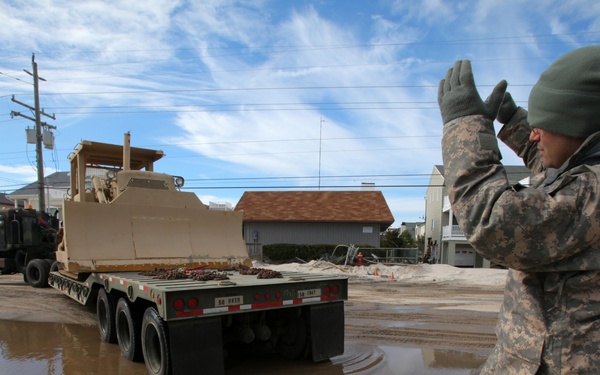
x=123, y=216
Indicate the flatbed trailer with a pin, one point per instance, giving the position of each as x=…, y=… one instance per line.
x=183, y=325
x=172, y=280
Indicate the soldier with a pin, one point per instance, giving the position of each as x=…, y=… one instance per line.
x=548, y=233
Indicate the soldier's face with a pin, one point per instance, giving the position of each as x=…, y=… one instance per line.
x=554, y=148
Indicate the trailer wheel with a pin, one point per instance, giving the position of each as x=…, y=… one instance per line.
x=37, y=272
x=155, y=344
x=105, y=312
x=128, y=331
x=293, y=345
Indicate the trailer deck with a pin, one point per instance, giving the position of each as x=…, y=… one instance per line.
x=238, y=293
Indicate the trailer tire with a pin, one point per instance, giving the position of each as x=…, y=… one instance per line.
x=294, y=344
x=127, y=325
x=155, y=343
x=37, y=272
x=105, y=312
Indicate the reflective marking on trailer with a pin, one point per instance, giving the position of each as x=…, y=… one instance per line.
x=253, y=306
x=313, y=299
x=266, y=304
x=144, y=288
x=214, y=310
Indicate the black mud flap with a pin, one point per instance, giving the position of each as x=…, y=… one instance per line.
x=327, y=330
x=196, y=347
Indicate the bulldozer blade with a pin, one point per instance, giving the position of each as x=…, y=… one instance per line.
x=144, y=229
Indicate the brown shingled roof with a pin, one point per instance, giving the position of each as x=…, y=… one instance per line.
x=325, y=206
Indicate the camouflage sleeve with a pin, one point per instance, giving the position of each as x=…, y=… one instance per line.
x=521, y=228
x=515, y=134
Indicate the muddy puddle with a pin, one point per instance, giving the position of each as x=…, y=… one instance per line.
x=56, y=349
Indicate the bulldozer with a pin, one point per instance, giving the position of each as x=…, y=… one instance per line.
x=121, y=215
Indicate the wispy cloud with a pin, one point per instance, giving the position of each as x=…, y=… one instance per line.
x=274, y=88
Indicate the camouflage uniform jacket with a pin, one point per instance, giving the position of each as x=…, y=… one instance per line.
x=547, y=234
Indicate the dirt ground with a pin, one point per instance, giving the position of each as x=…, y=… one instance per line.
x=423, y=315
x=431, y=315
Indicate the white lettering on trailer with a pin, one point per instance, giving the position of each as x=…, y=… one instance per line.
x=309, y=293
x=229, y=301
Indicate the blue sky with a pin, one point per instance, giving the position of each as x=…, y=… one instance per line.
x=270, y=95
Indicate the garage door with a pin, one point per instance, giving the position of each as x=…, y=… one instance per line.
x=464, y=256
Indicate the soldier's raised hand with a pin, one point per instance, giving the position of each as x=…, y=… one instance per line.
x=458, y=96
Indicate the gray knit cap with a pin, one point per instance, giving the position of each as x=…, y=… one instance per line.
x=566, y=98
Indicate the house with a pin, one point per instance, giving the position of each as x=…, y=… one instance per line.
x=415, y=229
x=314, y=217
x=5, y=202
x=445, y=240
x=56, y=186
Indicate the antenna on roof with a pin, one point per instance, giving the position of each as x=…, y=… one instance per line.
x=320, y=138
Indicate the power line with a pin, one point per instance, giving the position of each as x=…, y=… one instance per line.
x=179, y=106
x=248, y=89
x=247, y=107
x=318, y=46
x=338, y=66
x=304, y=48
x=304, y=187
x=180, y=144
x=282, y=88
x=324, y=109
x=310, y=177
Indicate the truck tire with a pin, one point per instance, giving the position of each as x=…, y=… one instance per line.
x=105, y=313
x=37, y=272
x=128, y=331
x=55, y=266
x=20, y=259
x=9, y=266
x=155, y=344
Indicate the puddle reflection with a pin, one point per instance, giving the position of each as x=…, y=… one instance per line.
x=56, y=349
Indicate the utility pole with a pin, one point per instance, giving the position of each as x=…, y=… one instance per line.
x=38, y=130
